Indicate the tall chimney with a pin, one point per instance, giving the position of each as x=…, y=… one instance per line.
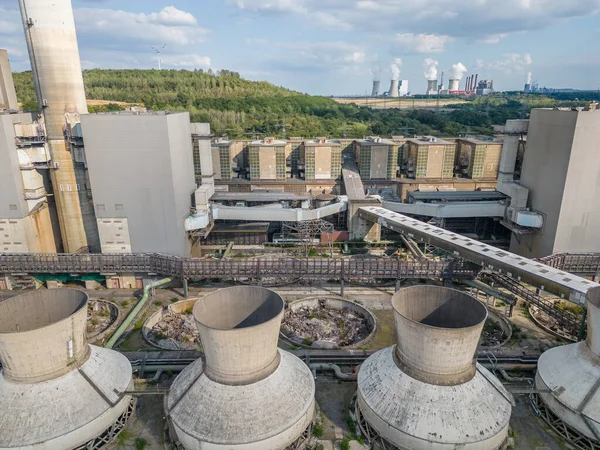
x=52, y=43
x=475, y=82
x=8, y=95
x=376, y=86
x=394, y=86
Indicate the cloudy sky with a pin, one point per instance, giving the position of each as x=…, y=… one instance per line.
x=335, y=46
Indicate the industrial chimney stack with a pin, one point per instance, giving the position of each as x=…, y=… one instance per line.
x=52, y=43
x=8, y=95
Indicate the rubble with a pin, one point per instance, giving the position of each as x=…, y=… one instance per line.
x=553, y=324
x=175, y=331
x=325, y=328
x=492, y=334
x=99, y=317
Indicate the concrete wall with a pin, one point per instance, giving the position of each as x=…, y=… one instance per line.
x=544, y=172
x=8, y=95
x=141, y=168
x=12, y=194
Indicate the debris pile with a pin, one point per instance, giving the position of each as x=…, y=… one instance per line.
x=99, y=317
x=492, y=334
x=175, y=331
x=562, y=328
x=324, y=327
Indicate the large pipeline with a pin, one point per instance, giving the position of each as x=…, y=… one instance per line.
x=136, y=310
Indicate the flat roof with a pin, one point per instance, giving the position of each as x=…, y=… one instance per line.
x=258, y=196
x=456, y=196
x=379, y=141
x=427, y=140
x=480, y=141
x=273, y=142
x=353, y=183
x=251, y=227
x=327, y=142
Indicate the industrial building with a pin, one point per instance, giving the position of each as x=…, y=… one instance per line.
x=460, y=404
x=429, y=157
x=267, y=159
x=224, y=158
x=477, y=158
x=56, y=390
x=142, y=175
x=560, y=170
x=25, y=221
x=54, y=55
x=322, y=159
x=377, y=158
x=245, y=393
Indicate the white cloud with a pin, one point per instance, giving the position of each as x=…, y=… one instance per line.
x=186, y=61
x=170, y=25
x=485, y=20
x=512, y=62
x=419, y=43
x=321, y=56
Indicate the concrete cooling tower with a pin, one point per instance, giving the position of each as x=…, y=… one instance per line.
x=245, y=393
x=568, y=379
x=427, y=391
x=394, y=88
x=56, y=391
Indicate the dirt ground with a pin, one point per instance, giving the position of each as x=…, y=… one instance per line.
x=400, y=102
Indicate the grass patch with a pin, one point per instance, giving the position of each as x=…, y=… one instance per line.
x=345, y=444
x=123, y=437
x=307, y=341
x=174, y=299
x=384, y=336
x=158, y=303
x=317, y=430
x=140, y=443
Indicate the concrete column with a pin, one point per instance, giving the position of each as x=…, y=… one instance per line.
x=487, y=300
x=342, y=287
x=185, y=288
x=397, y=285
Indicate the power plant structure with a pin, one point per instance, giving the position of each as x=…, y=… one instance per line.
x=8, y=95
x=245, y=393
x=432, y=87
x=56, y=390
x=427, y=391
x=54, y=56
x=376, y=87
x=454, y=85
x=394, y=89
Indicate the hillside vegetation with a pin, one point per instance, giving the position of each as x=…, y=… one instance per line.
x=240, y=108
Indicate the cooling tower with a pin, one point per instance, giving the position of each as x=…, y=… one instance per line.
x=427, y=391
x=56, y=391
x=571, y=374
x=50, y=34
x=376, y=87
x=394, y=86
x=245, y=393
x=432, y=87
x=454, y=85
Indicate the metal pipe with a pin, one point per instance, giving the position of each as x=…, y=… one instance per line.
x=336, y=370
x=135, y=311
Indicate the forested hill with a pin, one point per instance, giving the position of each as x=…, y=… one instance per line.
x=240, y=108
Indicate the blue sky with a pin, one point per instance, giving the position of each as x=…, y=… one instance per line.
x=334, y=46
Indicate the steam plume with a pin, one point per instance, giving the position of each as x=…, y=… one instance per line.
x=430, y=69
x=395, y=68
x=458, y=70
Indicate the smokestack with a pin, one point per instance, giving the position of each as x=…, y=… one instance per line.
x=454, y=85
x=8, y=94
x=475, y=82
x=376, y=86
x=52, y=43
x=394, y=87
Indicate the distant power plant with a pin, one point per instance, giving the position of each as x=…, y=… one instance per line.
x=376, y=86
x=394, y=89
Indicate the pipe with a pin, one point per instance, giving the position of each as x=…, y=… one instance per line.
x=135, y=311
x=336, y=369
x=507, y=377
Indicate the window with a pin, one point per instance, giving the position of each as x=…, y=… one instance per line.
x=101, y=207
x=119, y=206
x=12, y=207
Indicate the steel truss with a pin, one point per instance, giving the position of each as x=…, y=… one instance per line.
x=197, y=268
x=111, y=432
x=572, y=436
x=307, y=230
x=583, y=263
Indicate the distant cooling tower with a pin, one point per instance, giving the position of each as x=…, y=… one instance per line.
x=394, y=89
x=376, y=86
x=454, y=85
x=246, y=394
x=432, y=88
x=427, y=391
x=56, y=391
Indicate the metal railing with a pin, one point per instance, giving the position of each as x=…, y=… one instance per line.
x=581, y=263
x=188, y=268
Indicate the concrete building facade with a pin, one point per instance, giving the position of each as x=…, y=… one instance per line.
x=267, y=159
x=142, y=175
x=477, y=158
x=377, y=158
x=430, y=157
x=25, y=225
x=322, y=159
x=8, y=95
x=561, y=169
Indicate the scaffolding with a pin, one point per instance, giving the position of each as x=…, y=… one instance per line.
x=307, y=231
